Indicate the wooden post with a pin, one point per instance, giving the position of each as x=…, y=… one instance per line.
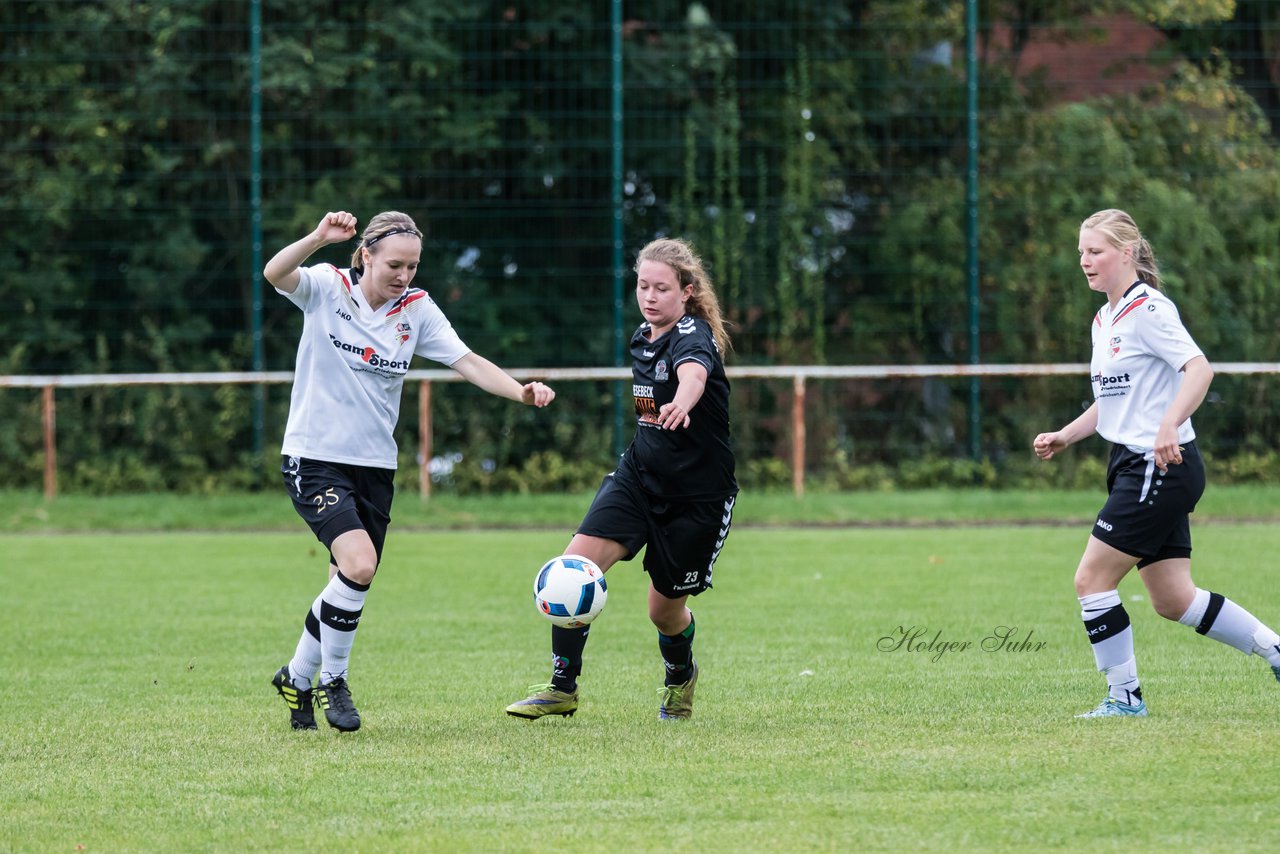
x=797, y=436
x=49, y=422
x=424, y=440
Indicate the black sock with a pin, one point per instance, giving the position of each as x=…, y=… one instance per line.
x=677, y=654
x=566, y=657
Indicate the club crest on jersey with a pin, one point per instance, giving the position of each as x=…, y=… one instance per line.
x=660, y=371
x=402, y=331
x=1114, y=347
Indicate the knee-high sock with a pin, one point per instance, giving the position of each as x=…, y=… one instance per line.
x=1216, y=616
x=1107, y=624
x=306, y=658
x=566, y=657
x=677, y=654
x=338, y=610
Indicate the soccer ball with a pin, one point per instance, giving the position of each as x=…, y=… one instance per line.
x=570, y=591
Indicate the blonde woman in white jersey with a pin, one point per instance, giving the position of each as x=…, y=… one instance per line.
x=362, y=327
x=1148, y=378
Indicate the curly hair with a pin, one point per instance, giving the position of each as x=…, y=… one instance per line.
x=680, y=256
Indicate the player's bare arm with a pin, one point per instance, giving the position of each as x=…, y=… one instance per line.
x=484, y=374
x=282, y=270
x=1046, y=445
x=693, y=382
x=1195, y=385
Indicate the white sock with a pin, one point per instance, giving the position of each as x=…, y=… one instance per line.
x=1216, y=616
x=306, y=658
x=1107, y=624
x=339, y=606
x=1266, y=643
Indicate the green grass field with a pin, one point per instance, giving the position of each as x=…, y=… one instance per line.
x=28, y=512
x=139, y=715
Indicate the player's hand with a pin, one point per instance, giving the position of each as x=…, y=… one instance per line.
x=335, y=227
x=1167, y=451
x=672, y=417
x=537, y=394
x=1047, y=444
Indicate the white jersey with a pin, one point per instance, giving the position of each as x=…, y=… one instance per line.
x=1139, y=350
x=351, y=366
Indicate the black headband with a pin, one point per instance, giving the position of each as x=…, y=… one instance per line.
x=401, y=230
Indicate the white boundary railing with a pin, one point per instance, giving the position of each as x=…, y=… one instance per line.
x=798, y=374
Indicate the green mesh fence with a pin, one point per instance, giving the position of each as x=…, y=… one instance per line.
x=815, y=152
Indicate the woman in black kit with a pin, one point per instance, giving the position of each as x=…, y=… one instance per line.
x=673, y=490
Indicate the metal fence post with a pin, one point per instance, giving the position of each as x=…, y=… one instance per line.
x=424, y=439
x=620, y=395
x=49, y=423
x=255, y=218
x=971, y=225
x=797, y=436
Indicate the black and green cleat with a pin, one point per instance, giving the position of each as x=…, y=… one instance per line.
x=677, y=700
x=301, y=714
x=339, y=710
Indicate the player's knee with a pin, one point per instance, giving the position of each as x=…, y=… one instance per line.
x=1169, y=608
x=361, y=568
x=1084, y=582
x=668, y=620
x=1093, y=576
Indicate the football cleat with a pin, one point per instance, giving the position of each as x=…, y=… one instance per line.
x=544, y=700
x=677, y=700
x=1276, y=671
x=301, y=715
x=1113, y=708
x=335, y=698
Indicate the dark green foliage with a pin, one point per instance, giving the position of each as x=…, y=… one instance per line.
x=813, y=151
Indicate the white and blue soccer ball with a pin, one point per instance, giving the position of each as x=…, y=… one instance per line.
x=570, y=591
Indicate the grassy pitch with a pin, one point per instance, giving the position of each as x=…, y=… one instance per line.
x=846, y=702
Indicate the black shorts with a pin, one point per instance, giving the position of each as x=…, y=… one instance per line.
x=1147, y=511
x=335, y=498
x=684, y=538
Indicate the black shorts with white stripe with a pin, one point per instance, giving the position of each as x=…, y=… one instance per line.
x=335, y=498
x=1147, y=510
x=681, y=539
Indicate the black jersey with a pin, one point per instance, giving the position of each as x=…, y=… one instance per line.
x=694, y=462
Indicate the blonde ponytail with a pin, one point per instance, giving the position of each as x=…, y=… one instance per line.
x=1122, y=232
